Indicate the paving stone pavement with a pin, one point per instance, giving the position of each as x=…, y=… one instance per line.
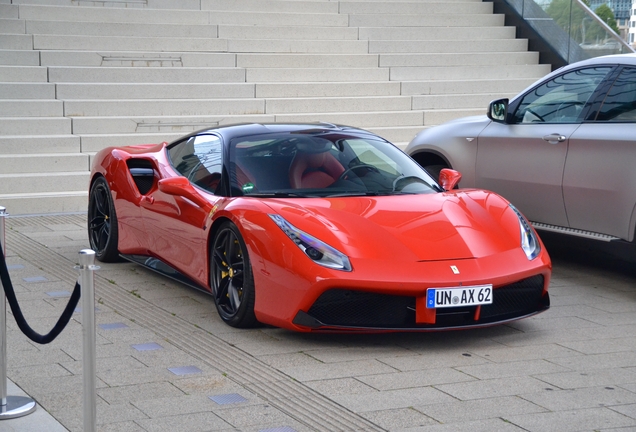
x=166, y=362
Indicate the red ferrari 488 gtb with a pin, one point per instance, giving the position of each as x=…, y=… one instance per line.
x=317, y=227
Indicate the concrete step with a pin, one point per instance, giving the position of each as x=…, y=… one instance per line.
x=166, y=107
x=162, y=124
x=45, y=203
x=9, y=11
x=458, y=59
x=298, y=6
x=467, y=72
x=43, y=182
x=307, y=60
x=337, y=104
x=23, y=74
x=31, y=108
x=185, y=124
x=77, y=74
x=110, y=15
x=15, y=41
x=427, y=20
x=292, y=32
x=39, y=144
x=128, y=4
x=415, y=7
x=35, y=126
x=113, y=43
x=316, y=74
x=451, y=101
x=448, y=46
x=436, y=33
x=398, y=135
x=460, y=87
x=297, y=46
x=364, y=120
x=47, y=162
x=12, y=26
x=27, y=91
x=86, y=91
x=153, y=107
x=92, y=143
x=136, y=59
x=272, y=18
x=116, y=91
x=84, y=28
x=19, y=57
x=327, y=89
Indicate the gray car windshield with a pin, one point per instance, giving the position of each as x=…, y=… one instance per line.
x=323, y=164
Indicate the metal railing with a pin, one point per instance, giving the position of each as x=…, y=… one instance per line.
x=569, y=28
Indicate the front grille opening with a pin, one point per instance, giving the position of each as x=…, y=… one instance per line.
x=349, y=308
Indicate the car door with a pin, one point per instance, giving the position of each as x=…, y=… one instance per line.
x=176, y=224
x=599, y=182
x=524, y=158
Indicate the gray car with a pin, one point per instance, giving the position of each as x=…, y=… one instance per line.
x=563, y=151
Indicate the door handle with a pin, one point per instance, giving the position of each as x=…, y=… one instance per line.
x=554, y=138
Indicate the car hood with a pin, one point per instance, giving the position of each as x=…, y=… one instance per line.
x=440, y=226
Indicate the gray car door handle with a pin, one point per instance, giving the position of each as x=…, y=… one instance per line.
x=554, y=138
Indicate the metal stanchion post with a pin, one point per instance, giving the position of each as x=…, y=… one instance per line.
x=10, y=406
x=87, y=267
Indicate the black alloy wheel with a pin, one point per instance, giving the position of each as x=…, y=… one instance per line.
x=102, y=222
x=231, y=278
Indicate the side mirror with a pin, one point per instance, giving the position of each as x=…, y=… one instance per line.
x=448, y=178
x=498, y=110
x=180, y=186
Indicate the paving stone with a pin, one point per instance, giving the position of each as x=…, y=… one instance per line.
x=419, y=378
x=479, y=409
x=570, y=421
x=590, y=397
x=402, y=418
x=493, y=387
x=392, y=399
x=592, y=378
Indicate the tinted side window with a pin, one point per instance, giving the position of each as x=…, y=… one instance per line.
x=620, y=103
x=199, y=158
x=562, y=99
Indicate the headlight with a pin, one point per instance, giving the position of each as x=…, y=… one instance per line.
x=529, y=241
x=318, y=251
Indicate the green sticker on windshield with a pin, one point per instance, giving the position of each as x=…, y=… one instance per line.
x=247, y=187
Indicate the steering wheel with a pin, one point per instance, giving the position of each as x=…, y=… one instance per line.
x=407, y=180
x=368, y=168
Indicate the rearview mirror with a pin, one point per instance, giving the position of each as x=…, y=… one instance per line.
x=180, y=186
x=448, y=178
x=498, y=110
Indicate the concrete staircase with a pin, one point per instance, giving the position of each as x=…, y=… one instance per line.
x=77, y=76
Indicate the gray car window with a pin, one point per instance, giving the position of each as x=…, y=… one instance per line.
x=199, y=159
x=620, y=103
x=562, y=99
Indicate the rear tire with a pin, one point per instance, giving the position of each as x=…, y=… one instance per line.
x=103, y=233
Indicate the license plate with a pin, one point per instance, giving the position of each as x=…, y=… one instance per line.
x=460, y=296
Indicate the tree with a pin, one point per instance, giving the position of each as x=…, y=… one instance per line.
x=569, y=17
x=607, y=16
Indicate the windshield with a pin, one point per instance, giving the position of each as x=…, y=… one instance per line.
x=323, y=164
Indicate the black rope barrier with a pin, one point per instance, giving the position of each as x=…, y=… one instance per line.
x=19, y=317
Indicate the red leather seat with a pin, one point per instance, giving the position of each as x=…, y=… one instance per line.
x=314, y=170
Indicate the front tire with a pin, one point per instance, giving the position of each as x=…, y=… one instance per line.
x=231, y=278
x=103, y=233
